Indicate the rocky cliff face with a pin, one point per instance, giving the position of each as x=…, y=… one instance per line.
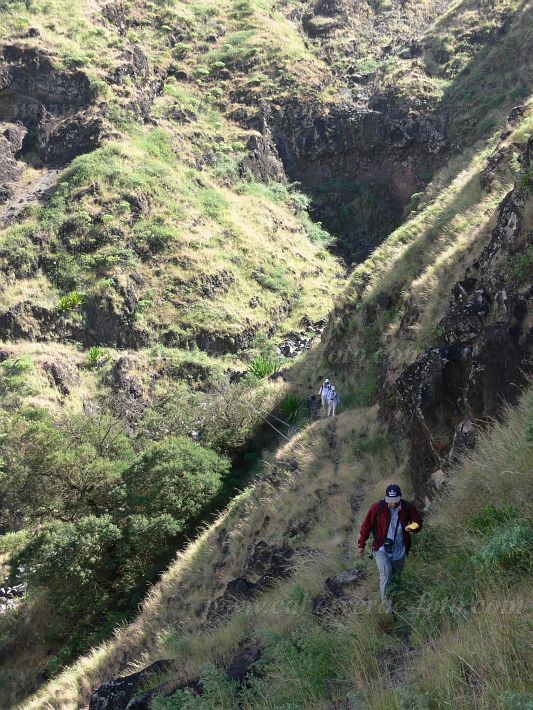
x=360, y=164
x=453, y=390
x=47, y=112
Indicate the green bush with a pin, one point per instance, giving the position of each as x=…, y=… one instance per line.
x=175, y=476
x=508, y=547
x=154, y=236
x=217, y=692
x=213, y=204
x=95, y=356
x=69, y=561
x=491, y=518
x=274, y=279
x=61, y=469
x=15, y=378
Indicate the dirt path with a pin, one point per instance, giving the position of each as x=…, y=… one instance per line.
x=37, y=191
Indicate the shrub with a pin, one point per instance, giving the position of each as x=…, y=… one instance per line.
x=61, y=469
x=316, y=233
x=153, y=236
x=217, y=692
x=70, y=560
x=14, y=377
x=510, y=546
x=492, y=517
x=213, y=204
x=96, y=355
x=274, y=279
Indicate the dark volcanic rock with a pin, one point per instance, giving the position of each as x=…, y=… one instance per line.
x=62, y=375
x=269, y=562
x=266, y=562
x=109, y=323
x=263, y=161
x=338, y=592
x=341, y=585
x=27, y=321
x=116, y=694
x=212, y=285
x=11, y=139
x=144, y=700
x=450, y=391
x=117, y=14
x=62, y=140
x=50, y=106
x=383, y=148
x=123, y=381
x=237, y=591
x=242, y=664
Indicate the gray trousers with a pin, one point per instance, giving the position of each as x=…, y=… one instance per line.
x=332, y=407
x=387, y=567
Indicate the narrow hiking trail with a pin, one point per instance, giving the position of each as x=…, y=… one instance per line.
x=397, y=660
x=36, y=191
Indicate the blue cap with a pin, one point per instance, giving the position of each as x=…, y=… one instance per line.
x=393, y=494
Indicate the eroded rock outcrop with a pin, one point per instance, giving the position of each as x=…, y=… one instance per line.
x=11, y=140
x=53, y=111
x=361, y=164
x=117, y=694
x=452, y=390
x=265, y=564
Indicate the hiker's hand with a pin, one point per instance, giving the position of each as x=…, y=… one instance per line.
x=361, y=552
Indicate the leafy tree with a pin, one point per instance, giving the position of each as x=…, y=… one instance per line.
x=234, y=416
x=175, y=476
x=149, y=543
x=62, y=469
x=69, y=561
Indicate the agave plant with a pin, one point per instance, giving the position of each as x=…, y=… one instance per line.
x=95, y=355
x=291, y=407
x=71, y=301
x=263, y=367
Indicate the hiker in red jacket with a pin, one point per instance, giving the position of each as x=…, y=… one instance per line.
x=388, y=521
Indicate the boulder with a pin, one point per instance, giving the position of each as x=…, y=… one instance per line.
x=338, y=593
x=241, y=665
x=117, y=694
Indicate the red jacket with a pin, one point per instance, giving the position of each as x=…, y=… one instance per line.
x=381, y=518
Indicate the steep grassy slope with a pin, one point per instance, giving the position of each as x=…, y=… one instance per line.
x=255, y=580
x=467, y=573
x=143, y=267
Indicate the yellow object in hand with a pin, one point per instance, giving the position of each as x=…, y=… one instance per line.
x=412, y=527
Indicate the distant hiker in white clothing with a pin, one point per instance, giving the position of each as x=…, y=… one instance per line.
x=333, y=400
x=323, y=393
